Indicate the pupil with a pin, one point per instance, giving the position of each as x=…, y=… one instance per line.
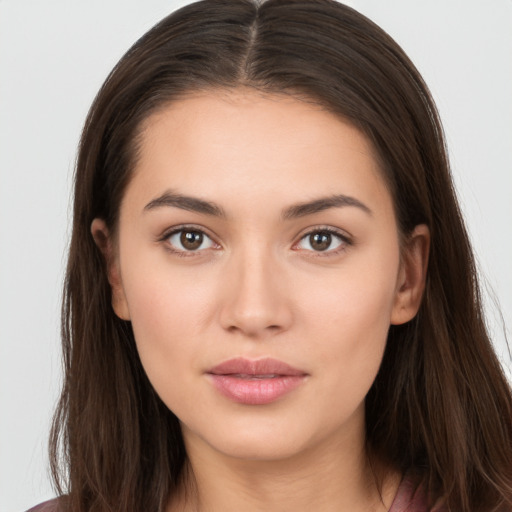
x=320, y=241
x=191, y=240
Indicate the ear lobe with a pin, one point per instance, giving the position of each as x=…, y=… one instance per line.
x=103, y=240
x=412, y=276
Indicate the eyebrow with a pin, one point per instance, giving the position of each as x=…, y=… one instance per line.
x=194, y=204
x=321, y=204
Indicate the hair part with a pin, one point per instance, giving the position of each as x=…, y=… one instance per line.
x=440, y=405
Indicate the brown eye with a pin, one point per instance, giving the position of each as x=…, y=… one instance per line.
x=189, y=240
x=322, y=241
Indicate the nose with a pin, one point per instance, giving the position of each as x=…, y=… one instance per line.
x=256, y=302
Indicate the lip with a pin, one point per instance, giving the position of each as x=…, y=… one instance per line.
x=255, y=382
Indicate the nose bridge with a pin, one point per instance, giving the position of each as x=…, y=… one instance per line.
x=256, y=300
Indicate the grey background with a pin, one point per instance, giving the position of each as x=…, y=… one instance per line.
x=55, y=54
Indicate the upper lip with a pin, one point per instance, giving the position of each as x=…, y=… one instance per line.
x=266, y=366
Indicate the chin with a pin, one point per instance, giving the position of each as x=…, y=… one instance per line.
x=259, y=447
x=269, y=439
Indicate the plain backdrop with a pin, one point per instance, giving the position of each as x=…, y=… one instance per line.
x=55, y=54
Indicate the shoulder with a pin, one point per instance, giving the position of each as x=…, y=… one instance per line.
x=411, y=497
x=54, y=505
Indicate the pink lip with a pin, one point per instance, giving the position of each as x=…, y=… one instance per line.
x=255, y=382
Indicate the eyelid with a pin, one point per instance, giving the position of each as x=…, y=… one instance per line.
x=346, y=239
x=164, y=237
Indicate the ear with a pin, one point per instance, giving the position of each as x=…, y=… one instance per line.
x=103, y=240
x=411, y=276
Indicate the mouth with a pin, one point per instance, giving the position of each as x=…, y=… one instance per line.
x=255, y=382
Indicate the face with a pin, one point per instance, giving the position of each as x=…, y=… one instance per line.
x=258, y=260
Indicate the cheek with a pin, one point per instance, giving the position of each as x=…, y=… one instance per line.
x=357, y=297
x=168, y=309
x=163, y=328
x=164, y=296
x=168, y=312
x=163, y=348
x=350, y=317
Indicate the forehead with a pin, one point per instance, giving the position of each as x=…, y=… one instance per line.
x=247, y=119
x=246, y=144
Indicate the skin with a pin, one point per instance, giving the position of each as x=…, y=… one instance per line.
x=257, y=287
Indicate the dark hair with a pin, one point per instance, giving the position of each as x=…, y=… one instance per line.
x=440, y=405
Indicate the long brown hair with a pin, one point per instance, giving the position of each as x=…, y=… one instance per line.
x=440, y=405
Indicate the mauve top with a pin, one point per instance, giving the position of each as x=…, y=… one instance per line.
x=410, y=497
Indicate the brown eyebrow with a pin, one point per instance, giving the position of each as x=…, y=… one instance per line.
x=189, y=203
x=321, y=204
x=194, y=204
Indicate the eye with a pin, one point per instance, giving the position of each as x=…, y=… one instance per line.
x=189, y=240
x=322, y=240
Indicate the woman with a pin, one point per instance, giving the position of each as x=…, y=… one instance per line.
x=271, y=302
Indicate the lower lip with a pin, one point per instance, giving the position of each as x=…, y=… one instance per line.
x=255, y=391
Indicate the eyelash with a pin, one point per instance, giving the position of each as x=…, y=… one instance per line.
x=180, y=229
x=344, y=239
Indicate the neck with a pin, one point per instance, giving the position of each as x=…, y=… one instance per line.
x=320, y=478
